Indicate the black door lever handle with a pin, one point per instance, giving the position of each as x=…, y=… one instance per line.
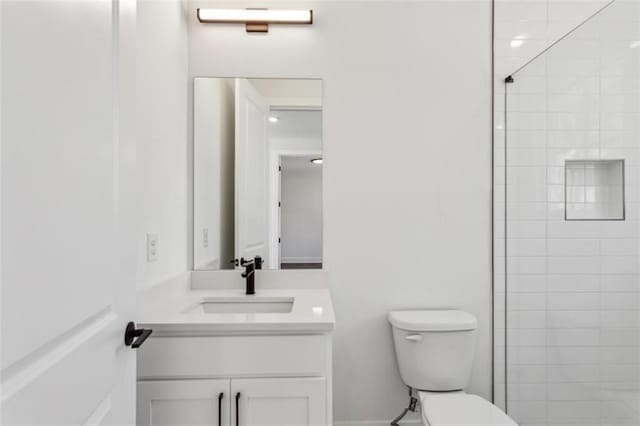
x=131, y=333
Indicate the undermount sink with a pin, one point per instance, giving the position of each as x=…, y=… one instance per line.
x=245, y=305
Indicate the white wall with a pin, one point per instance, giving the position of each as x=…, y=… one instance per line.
x=213, y=182
x=162, y=83
x=407, y=148
x=301, y=211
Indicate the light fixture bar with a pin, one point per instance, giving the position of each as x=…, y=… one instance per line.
x=252, y=17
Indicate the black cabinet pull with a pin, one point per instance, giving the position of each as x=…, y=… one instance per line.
x=238, y=409
x=220, y=408
x=131, y=333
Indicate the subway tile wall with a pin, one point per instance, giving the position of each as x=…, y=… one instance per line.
x=569, y=311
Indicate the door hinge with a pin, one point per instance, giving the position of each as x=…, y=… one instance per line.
x=279, y=204
x=279, y=168
x=278, y=240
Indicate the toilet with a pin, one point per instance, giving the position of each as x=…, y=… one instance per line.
x=434, y=350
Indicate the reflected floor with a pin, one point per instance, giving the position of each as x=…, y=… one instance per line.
x=301, y=266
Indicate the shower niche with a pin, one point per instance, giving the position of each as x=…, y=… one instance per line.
x=594, y=190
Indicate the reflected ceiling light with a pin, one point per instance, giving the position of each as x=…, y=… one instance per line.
x=273, y=119
x=635, y=44
x=255, y=20
x=518, y=40
x=316, y=161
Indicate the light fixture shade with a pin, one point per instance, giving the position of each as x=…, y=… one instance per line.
x=255, y=16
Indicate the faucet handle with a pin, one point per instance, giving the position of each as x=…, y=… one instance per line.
x=250, y=268
x=245, y=262
x=259, y=261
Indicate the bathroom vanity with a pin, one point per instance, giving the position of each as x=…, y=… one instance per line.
x=219, y=354
x=220, y=357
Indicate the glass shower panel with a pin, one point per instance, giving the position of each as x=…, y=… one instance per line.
x=572, y=173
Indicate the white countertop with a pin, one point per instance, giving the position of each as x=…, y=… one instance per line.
x=167, y=314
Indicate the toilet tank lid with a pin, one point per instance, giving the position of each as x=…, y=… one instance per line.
x=433, y=320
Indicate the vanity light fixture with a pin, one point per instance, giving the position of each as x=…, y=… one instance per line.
x=316, y=160
x=273, y=119
x=255, y=20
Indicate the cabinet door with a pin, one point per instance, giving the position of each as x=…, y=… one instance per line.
x=278, y=402
x=183, y=402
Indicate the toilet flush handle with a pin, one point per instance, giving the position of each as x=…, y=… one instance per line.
x=414, y=337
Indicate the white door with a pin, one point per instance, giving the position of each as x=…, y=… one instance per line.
x=251, y=172
x=278, y=402
x=68, y=222
x=183, y=403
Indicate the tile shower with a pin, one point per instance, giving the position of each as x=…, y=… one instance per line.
x=567, y=258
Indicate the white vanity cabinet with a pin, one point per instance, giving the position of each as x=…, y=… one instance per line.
x=183, y=402
x=234, y=380
x=284, y=401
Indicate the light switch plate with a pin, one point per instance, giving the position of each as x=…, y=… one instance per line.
x=205, y=237
x=152, y=247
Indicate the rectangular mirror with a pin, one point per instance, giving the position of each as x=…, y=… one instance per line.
x=257, y=173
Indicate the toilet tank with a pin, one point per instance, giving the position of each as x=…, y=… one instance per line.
x=434, y=348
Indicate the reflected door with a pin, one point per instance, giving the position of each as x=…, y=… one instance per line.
x=250, y=171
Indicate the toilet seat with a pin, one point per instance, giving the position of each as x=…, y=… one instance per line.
x=460, y=409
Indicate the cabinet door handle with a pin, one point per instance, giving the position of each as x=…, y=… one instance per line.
x=220, y=397
x=238, y=409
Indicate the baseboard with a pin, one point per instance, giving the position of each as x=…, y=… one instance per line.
x=301, y=260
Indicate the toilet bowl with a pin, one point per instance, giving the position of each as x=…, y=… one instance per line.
x=434, y=350
x=460, y=409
